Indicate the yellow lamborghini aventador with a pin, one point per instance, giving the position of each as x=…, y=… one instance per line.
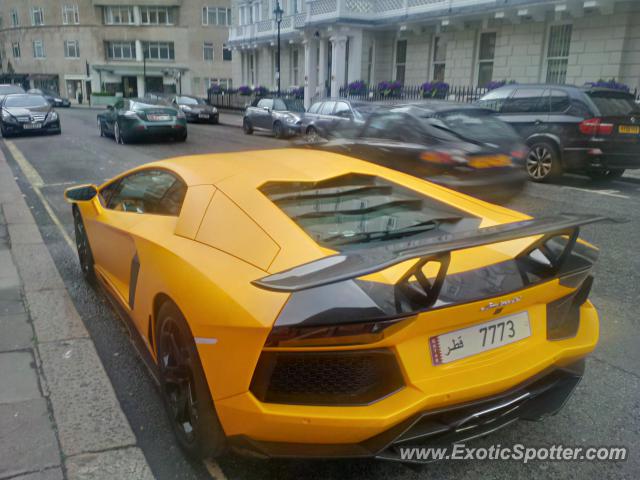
x=303, y=303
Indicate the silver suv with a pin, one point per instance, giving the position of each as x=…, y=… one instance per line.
x=281, y=116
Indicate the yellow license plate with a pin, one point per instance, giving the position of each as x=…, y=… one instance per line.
x=632, y=129
x=490, y=161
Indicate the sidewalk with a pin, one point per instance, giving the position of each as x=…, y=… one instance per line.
x=59, y=416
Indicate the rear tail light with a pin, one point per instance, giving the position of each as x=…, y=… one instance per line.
x=443, y=158
x=595, y=126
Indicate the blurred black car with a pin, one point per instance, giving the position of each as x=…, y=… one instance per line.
x=459, y=146
x=9, y=89
x=280, y=116
x=195, y=109
x=52, y=97
x=27, y=113
x=568, y=128
x=329, y=115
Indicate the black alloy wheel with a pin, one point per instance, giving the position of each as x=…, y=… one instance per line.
x=184, y=388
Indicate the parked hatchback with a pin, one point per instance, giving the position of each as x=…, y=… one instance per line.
x=281, y=116
x=566, y=128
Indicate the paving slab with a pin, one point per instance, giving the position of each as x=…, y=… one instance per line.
x=8, y=274
x=24, y=233
x=16, y=211
x=85, y=407
x=18, y=377
x=126, y=463
x=27, y=441
x=36, y=267
x=15, y=332
x=49, y=474
x=54, y=316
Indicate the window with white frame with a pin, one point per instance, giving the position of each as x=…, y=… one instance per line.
x=156, y=16
x=118, y=15
x=558, y=53
x=257, y=11
x=121, y=50
x=158, y=50
x=296, y=6
x=15, y=46
x=207, y=52
x=15, y=18
x=295, y=66
x=439, y=62
x=70, y=14
x=227, y=56
x=252, y=69
x=37, y=16
x=486, y=55
x=216, y=16
x=71, y=49
x=38, y=49
x=224, y=83
x=370, y=55
x=401, y=60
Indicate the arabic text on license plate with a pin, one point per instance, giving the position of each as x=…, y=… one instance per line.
x=159, y=118
x=32, y=126
x=452, y=346
x=204, y=115
x=633, y=129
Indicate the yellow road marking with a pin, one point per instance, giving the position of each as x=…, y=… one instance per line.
x=35, y=180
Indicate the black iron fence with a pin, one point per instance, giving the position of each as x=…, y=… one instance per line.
x=234, y=100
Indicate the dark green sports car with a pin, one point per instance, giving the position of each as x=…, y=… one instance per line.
x=133, y=119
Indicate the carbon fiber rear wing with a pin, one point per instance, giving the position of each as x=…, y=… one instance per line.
x=351, y=264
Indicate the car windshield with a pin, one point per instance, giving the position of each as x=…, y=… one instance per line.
x=9, y=89
x=479, y=125
x=288, y=104
x=25, y=101
x=190, y=101
x=612, y=104
x=357, y=209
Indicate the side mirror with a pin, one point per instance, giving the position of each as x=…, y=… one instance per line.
x=81, y=193
x=266, y=109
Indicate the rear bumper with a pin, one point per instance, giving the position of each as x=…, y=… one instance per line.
x=539, y=397
x=486, y=185
x=581, y=158
x=144, y=129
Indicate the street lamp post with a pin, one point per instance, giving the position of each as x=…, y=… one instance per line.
x=278, y=14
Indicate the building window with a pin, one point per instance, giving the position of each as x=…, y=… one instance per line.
x=401, y=60
x=486, y=54
x=216, y=16
x=38, y=49
x=295, y=69
x=121, y=50
x=370, y=64
x=70, y=14
x=252, y=69
x=71, y=49
x=296, y=6
x=37, y=16
x=558, y=53
x=15, y=19
x=226, y=53
x=118, y=15
x=224, y=83
x=15, y=46
x=207, y=52
x=159, y=50
x=156, y=15
x=439, y=59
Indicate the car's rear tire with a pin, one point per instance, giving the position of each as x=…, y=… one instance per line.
x=247, y=127
x=118, y=135
x=278, y=130
x=182, y=138
x=184, y=387
x=543, y=162
x=606, y=174
x=85, y=255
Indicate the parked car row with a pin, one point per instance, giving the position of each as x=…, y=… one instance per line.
x=487, y=149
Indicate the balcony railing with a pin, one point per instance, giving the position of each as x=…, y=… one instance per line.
x=322, y=10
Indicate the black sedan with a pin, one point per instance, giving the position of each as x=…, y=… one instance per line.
x=196, y=109
x=27, y=113
x=52, y=97
x=459, y=146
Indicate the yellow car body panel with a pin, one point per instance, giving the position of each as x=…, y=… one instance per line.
x=207, y=270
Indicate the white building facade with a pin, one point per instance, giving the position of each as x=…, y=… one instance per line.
x=326, y=44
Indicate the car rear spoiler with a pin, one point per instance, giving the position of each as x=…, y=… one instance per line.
x=355, y=263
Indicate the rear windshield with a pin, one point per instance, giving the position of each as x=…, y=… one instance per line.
x=26, y=101
x=190, y=101
x=478, y=125
x=356, y=210
x=612, y=104
x=9, y=89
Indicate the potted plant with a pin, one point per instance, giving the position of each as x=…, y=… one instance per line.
x=260, y=91
x=215, y=89
x=434, y=89
x=390, y=89
x=357, y=87
x=244, y=90
x=612, y=84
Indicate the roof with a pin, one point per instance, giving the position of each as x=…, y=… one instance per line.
x=439, y=105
